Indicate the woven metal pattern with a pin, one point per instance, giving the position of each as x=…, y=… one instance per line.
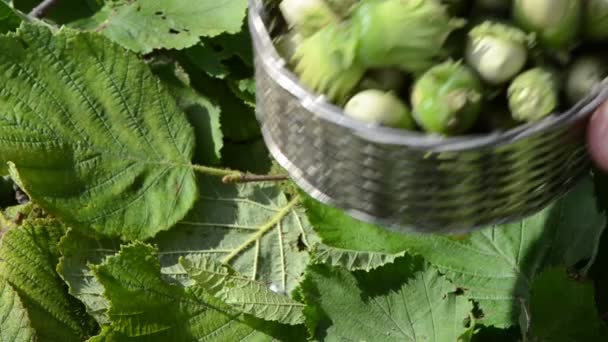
x=411, y=182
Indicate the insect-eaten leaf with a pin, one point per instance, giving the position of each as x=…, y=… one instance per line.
x=254, y=228
x=143, y=26
x=496, y=265
x=404, y=301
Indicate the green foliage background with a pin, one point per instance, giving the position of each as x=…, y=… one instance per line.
x=119, y=119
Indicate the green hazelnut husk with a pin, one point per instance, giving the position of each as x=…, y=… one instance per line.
x=325, y=62
x=447, y=99
x=556, y=22
x=497, y=52
x=533, y=95
x=408, y=34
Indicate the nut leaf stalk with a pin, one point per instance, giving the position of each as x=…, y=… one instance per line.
x=533, y=95
x=325, y=62
x=595, y=25
x=447, y=99
x=409, y=34
x=307, y=16
x=497, y=52
x=380, y=108
x=556, y=22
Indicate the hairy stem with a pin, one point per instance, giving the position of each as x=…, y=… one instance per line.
x=262, y=230
x=232, y=176
x=213, y=171
x=248, y=178
x=40, y=10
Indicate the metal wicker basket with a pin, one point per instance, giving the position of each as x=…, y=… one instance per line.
x=408, y=181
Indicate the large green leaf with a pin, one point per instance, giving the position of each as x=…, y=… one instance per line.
x=253, y=227
x=28, y=256
x=563, y=309
x=406, y=301
x=497, y=265
x=143, y=26
x=244, y=294
x=95, y=139
x=145, y=307
x=15, y=324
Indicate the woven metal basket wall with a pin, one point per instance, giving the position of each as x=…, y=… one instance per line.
x=408, y=181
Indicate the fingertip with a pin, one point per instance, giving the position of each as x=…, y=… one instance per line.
x=597, y=136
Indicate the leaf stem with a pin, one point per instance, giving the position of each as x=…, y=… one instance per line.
x=40, y=10
x=213, y=171
x=232, y=176
x=262, y=230
x=248, y=178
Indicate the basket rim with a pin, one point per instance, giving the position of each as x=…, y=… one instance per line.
x=317, y=105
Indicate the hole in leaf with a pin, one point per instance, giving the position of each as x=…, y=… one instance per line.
x=159, y=13
x=477, y=312
x=301, y=244
x=173, y=31
x=459, y=291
